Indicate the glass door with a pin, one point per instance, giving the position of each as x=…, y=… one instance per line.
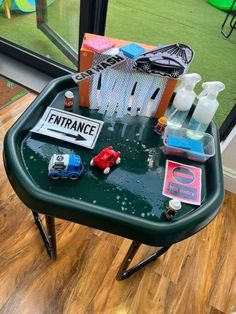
x=65, y=22
x=49, y=30
x=59, y=21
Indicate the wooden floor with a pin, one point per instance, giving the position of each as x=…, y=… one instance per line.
x=197, y=275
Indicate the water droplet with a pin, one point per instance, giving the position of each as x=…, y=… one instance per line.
x=31, y=157
x=117, y=197
x=137, y=181
x=143, y=214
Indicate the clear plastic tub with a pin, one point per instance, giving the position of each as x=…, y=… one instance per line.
x=178, y=143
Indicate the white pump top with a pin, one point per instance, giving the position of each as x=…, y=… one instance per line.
x=175, y=204
x=208, y=104
x=187, y=78
x=69, y=94
x=211, y=88
x=185, y=94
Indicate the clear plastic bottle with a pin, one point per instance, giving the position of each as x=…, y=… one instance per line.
x=205, y=109
x=183, y=100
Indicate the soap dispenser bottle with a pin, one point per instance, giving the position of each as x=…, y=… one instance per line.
x=205, y=109
x=183, y=100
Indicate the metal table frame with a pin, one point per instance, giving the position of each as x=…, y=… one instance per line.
x=49, y=239
x=232, y=21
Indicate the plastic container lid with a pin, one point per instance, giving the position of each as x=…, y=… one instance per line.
x=175, y=204
x=69, y=94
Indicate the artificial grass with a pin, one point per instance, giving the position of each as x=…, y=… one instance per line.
x=192, y=22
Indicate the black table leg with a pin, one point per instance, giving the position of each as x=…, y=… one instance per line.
x=49, y=237
x=124, y=273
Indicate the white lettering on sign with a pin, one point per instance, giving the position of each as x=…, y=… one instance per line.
x=108, y=63
x=69, y=127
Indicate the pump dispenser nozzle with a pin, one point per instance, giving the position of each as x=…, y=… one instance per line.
x=211, y=88
x=190, y=79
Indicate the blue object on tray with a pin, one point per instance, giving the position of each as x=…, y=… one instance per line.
x=132, y=50
x=65, y=166
x=185, y=143
x=178, y=141
x=196, y=146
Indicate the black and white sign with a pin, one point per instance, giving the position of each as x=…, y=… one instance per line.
x=170, y=60
x=98, y=68
x=69, y=127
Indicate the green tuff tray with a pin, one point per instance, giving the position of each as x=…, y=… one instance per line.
x=128, y=201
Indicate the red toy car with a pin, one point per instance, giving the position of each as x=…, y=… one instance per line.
x=106, y=158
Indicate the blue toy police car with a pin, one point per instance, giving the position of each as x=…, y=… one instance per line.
x=65, y=166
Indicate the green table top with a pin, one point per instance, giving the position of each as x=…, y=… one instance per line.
x=129, y=200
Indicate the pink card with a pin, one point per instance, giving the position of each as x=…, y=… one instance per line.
x=182, y=182
x=99, y=44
